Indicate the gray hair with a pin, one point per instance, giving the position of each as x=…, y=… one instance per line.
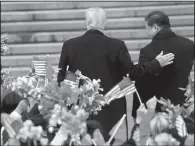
x=158, y=123
x=95, y=18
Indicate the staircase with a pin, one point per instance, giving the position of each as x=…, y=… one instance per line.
x=40, y=28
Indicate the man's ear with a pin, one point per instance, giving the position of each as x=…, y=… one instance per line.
x=155, y=28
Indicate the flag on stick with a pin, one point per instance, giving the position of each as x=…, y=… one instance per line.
x=123, y=88
x=117, y=127
x=71, y=79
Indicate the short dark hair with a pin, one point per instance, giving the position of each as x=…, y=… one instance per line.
x=159, y=18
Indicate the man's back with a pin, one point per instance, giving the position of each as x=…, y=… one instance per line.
x=97, y=56
x=172, y=77
x=94, y=54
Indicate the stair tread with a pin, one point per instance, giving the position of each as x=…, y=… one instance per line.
x=40, y=48
x=79, y=14
x=22, y=6
x=41, y=37
x=79, y=24
x=24, y=61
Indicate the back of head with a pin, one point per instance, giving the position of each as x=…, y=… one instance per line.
x=159, y=18
x=155, y=21
x=10, y=102
x=159, y=123
x=95, y=18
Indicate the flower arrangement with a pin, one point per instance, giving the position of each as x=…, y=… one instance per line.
x=25, y=86
x=178, y=115
x=5, y=77
x=29, y=134
x=89, y=97
x=189, y=104
x=73, y=123
x=66, y=108
x=187, y=108
x=6, y=80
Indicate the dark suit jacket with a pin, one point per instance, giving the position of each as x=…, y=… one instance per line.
x=172, y=77
x=100, y=57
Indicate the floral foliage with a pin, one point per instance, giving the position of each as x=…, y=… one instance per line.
x=6, y=81
x=89, y=97
x=4, y=46
x=73, y=122
x=66, y=108
x=30, y=134
x=186, y=109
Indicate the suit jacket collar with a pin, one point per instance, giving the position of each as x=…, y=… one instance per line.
x=94, y=31
x=164, y=33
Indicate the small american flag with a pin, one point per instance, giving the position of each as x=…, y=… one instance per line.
x=71, y=76
x=40, y=67
x=124, y=87
x=71, y=79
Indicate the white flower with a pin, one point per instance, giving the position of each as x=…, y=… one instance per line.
x=59, y=121
x=30, y=92
x=57, y=111
x=88, y=87
x=39, y=96
x=83, y=128
x=25, y=95
x=19, y=83
x=76, y=107
x=32, y=80
x=91, y=99
x=95, y=83
x=52, y=122
x=30, y=84
x=81, y=90
x=51, y=129
x=57, y=107
x=80, y=113
x=53, y=116
x=13, y=88
x=28, y=123
x=19, y=78
x=40, y=107
x=25, y=80
x=33, y=130
x=40, y=129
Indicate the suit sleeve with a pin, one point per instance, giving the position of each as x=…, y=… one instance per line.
x=62, y=64
x=142, y=57
x=136, y=71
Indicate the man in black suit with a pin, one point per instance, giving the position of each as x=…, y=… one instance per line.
x=171, y=80
x=100, y=57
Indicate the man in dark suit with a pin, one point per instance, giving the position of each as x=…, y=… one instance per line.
x=173, y=78
x=100, y=57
